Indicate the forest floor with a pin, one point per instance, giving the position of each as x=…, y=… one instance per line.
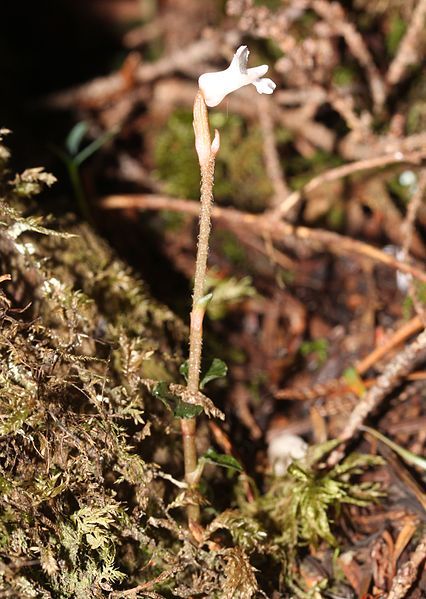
x=316, y=267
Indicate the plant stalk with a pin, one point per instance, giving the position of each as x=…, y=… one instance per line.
x=206, y=154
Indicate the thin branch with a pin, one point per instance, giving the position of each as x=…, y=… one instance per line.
x=334, y=15
x=407, y=574
x=266, y=224
x=408, y=51
x=147, y=585
x=401, y=365
x=270, y=152
x=348, y=169
x=410, y=218
x=102, y=88
x=340, y=385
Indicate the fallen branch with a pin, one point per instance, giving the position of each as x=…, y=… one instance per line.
x=334, y=15
x=408, y=51
x=102, y=88
x=349, y=169
x=402, y=364
x=407, y=574
x=270, y=152
x=266, y=224
x=340, y=385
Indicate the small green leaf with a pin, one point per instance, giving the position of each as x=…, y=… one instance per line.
x=94, y=146
x=220, y=459
x=180, y=409
x=161, y=392
x=75, y=137
x=354, y=381
x=203, y=301
x=186, y=410
x=405, y=454
x=218, y=369
x=183, y=369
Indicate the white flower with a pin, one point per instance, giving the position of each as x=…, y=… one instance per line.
x=215, y=86
x=283, y=448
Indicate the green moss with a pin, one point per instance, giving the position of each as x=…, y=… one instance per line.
x=316, y=350
x=240, y=176
x=396, y=31
x=343, y=75
x=301, y=169
x=415, y=107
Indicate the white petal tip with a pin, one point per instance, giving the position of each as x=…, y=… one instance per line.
x=264, y=86
x=215, y=86
x=241, y=49
x=215, y=143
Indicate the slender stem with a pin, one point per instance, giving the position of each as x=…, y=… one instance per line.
x=206, y=154
x=83, y=206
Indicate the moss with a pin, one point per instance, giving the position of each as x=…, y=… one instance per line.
x=396, y=31
x=416, y=115
x=90, y=461
x=240, y=173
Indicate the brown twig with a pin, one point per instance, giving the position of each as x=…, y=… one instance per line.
x=407, y=574
x=340, y=244
x=333, y=13
x=340, y=385
x=408, y=50
x=349, y=169
x=413, y=208
x=403, y=363
x=266, y=224
x=407, y=230
x=147, y=585
x=271, y=156
x=399, y=336
x=102, y=88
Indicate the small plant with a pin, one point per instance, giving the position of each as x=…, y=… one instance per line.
x=74, y=156
x=213, y=87
x=299, y=508
x=300, y=502
x=316, y=349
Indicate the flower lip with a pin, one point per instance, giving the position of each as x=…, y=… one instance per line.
x=215, y=86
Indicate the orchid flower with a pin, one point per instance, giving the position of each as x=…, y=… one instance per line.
x=215, y=86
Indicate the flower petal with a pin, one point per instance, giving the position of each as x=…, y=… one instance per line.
x=240, y=59
x=215, y=86
x=264, y=86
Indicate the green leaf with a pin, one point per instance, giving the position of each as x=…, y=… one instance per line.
x=354, y=381
x=218, y=369
x=405, y=454
x=75, y=137
x=183, y=409
x=204, y=301
x=183, y=369
x=220, y=459
x=94, y=147
x=180, y=409
x=161, y=392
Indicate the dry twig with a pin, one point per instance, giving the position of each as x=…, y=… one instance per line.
x=102, y=89
x=271, y=156
x=408, y=50
x=348, y=169
x=413, y=208
x=407, y=574
x=266, y=224
x=403, y=363
x=333, y=14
